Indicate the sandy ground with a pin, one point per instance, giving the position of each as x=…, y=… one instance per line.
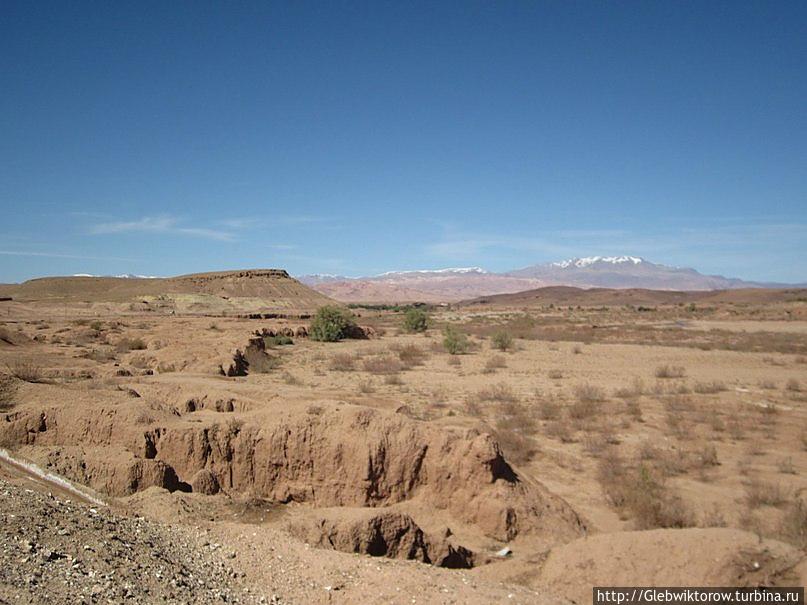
x=632, y=436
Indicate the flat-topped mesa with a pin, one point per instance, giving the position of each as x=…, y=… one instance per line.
x=239, y=273
x=227, y=292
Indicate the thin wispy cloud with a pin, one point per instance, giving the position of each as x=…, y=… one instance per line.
x=160, y=224
x=264, y=222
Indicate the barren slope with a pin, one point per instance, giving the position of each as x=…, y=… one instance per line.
x=224, y=291
x=567, y=295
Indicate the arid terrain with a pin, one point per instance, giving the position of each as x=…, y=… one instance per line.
x=458, y=284
x=186, y=440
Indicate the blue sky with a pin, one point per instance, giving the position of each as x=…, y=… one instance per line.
x=354, y=138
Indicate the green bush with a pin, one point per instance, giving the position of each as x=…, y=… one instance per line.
x=331, y=324
x=415, y=320
x=502, y=341
x=278, y=340
x=454, y=341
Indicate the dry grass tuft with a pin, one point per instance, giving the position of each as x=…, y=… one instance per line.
x=793, y=528
x=393, y=379
x=636, y=389
x=548, y=409
x=668, y=371
x=589, y=393
x=383, y=364
x=494, y=363
x=501, y=393
x=641, y=495
x=764, y=493
x=793, y=385
x=411, y=355
x=709, y=388
x=514, y=429
x=25, y=370
x=366, y=387
x=8, y=390
x=130, y=344
x=342, y=362
x=291, y=379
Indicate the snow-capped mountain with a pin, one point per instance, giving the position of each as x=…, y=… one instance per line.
x=593, y=260
x=421, y=272
x=453, y=284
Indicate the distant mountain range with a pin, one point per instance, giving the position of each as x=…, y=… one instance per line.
x=453, y=284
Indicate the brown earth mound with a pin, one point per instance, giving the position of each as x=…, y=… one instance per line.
x=387, y=534
x=291, y=457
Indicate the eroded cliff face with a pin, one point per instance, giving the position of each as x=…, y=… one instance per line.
x=348, y=456
x=325, y=456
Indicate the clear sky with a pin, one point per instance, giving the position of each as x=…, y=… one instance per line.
x=166, y=137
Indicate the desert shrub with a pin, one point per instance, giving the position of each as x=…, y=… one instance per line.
x=586, y=405
x=502, y=341
x=393, y=378
x=291, y=379
x=130, y=344
x=514, y=427
x=382, y=364
x=636, y=389
x=668, y=371
x=589, y=393
x=25, y=370
x=454, y=341
x=279, y=340
x=707, y=456
x=640, y=494
x=8, y=389
x=366, y=387
x=342, y=362
x=494, y=363
x=548, y=409
x=759, y=493
x=583, y=409
x=793, y=528
x=415, y=320
x=411, y=355
x=708, y=388
x=100, y=354
x=560, y=429
x=331, y=324
x=786, y=467
x=497, y=392
x=634, y=410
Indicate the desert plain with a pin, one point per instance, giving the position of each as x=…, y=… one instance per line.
x=187, y=440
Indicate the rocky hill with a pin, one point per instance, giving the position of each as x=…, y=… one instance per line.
x=222, y=291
